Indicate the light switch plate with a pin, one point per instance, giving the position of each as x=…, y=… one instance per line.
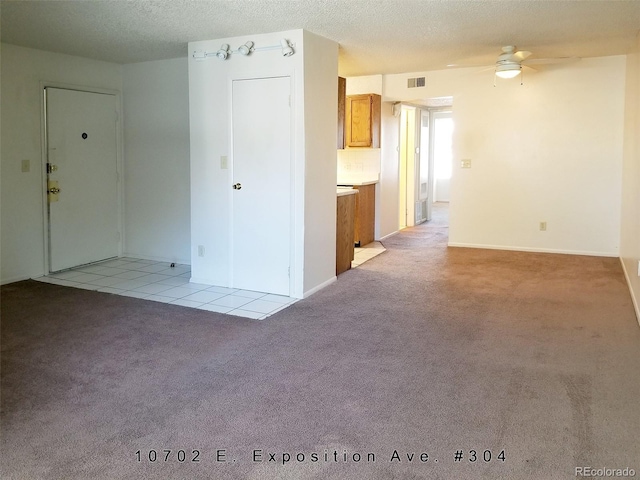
x=25, y=166
x=224, y=162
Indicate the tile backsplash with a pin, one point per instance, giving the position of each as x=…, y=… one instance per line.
x=360, y=163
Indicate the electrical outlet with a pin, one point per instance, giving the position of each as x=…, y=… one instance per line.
x=201, y=250
x=543, y=226
x=465, y=163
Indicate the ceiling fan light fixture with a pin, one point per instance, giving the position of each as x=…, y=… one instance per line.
x=508, y=70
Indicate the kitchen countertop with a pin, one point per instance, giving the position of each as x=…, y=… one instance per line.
x=358, y=183
x=345, y=191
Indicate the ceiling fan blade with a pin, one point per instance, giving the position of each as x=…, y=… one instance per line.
x=549, y=61
x=521, y=55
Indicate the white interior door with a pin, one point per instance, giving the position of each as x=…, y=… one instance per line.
x=82, y=158
x=261, y=199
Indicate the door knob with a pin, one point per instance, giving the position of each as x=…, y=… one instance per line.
x=237, y=186
x=52, y=191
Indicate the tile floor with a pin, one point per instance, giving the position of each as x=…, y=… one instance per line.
x=367, y=252
x=160, y=282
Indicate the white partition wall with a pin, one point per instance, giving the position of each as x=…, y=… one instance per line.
x=630, y=224
x=312, y=75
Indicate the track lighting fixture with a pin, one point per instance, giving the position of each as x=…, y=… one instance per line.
x=247, y=48
x=223, y=53
x=287, y=51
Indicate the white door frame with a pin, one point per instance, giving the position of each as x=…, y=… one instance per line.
x=292, y=177
x=407, y=164
x=45, y=152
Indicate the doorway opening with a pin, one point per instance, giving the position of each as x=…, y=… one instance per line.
x=442, y=154
x=425, y=163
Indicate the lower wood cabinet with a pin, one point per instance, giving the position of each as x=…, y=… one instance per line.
x=345, y=221
x=364, y=228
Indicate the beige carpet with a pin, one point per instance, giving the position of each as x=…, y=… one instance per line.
x=423, y=349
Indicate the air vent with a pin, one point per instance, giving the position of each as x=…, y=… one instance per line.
x=416, y=82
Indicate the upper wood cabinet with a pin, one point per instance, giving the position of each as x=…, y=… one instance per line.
x=342, y=99
x=363, y=120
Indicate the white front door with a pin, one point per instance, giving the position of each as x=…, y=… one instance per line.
x=82, y=164
x=261, y=199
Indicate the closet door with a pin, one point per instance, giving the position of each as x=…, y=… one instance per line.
x=261, y=185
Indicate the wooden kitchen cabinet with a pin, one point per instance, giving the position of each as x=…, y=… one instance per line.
x=364, y=228
x=345, y=220
x=363, y=120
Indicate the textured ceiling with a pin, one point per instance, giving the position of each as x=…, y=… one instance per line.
x=375, y=36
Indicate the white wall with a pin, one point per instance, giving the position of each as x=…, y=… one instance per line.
x=22, y=194
x=549, y=150
x=156, y=146
x=364, y=84
x=630, y=224
x=209, y=100
x=321, y=123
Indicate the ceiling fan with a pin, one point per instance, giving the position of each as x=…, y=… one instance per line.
x=511, y=61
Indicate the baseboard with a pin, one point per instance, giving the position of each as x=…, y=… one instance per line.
x=206, y=281
x=308, y=293
x=6, y=281
x=633, y=295
x=387, y=236
x=534, y=250
x=157, y=259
